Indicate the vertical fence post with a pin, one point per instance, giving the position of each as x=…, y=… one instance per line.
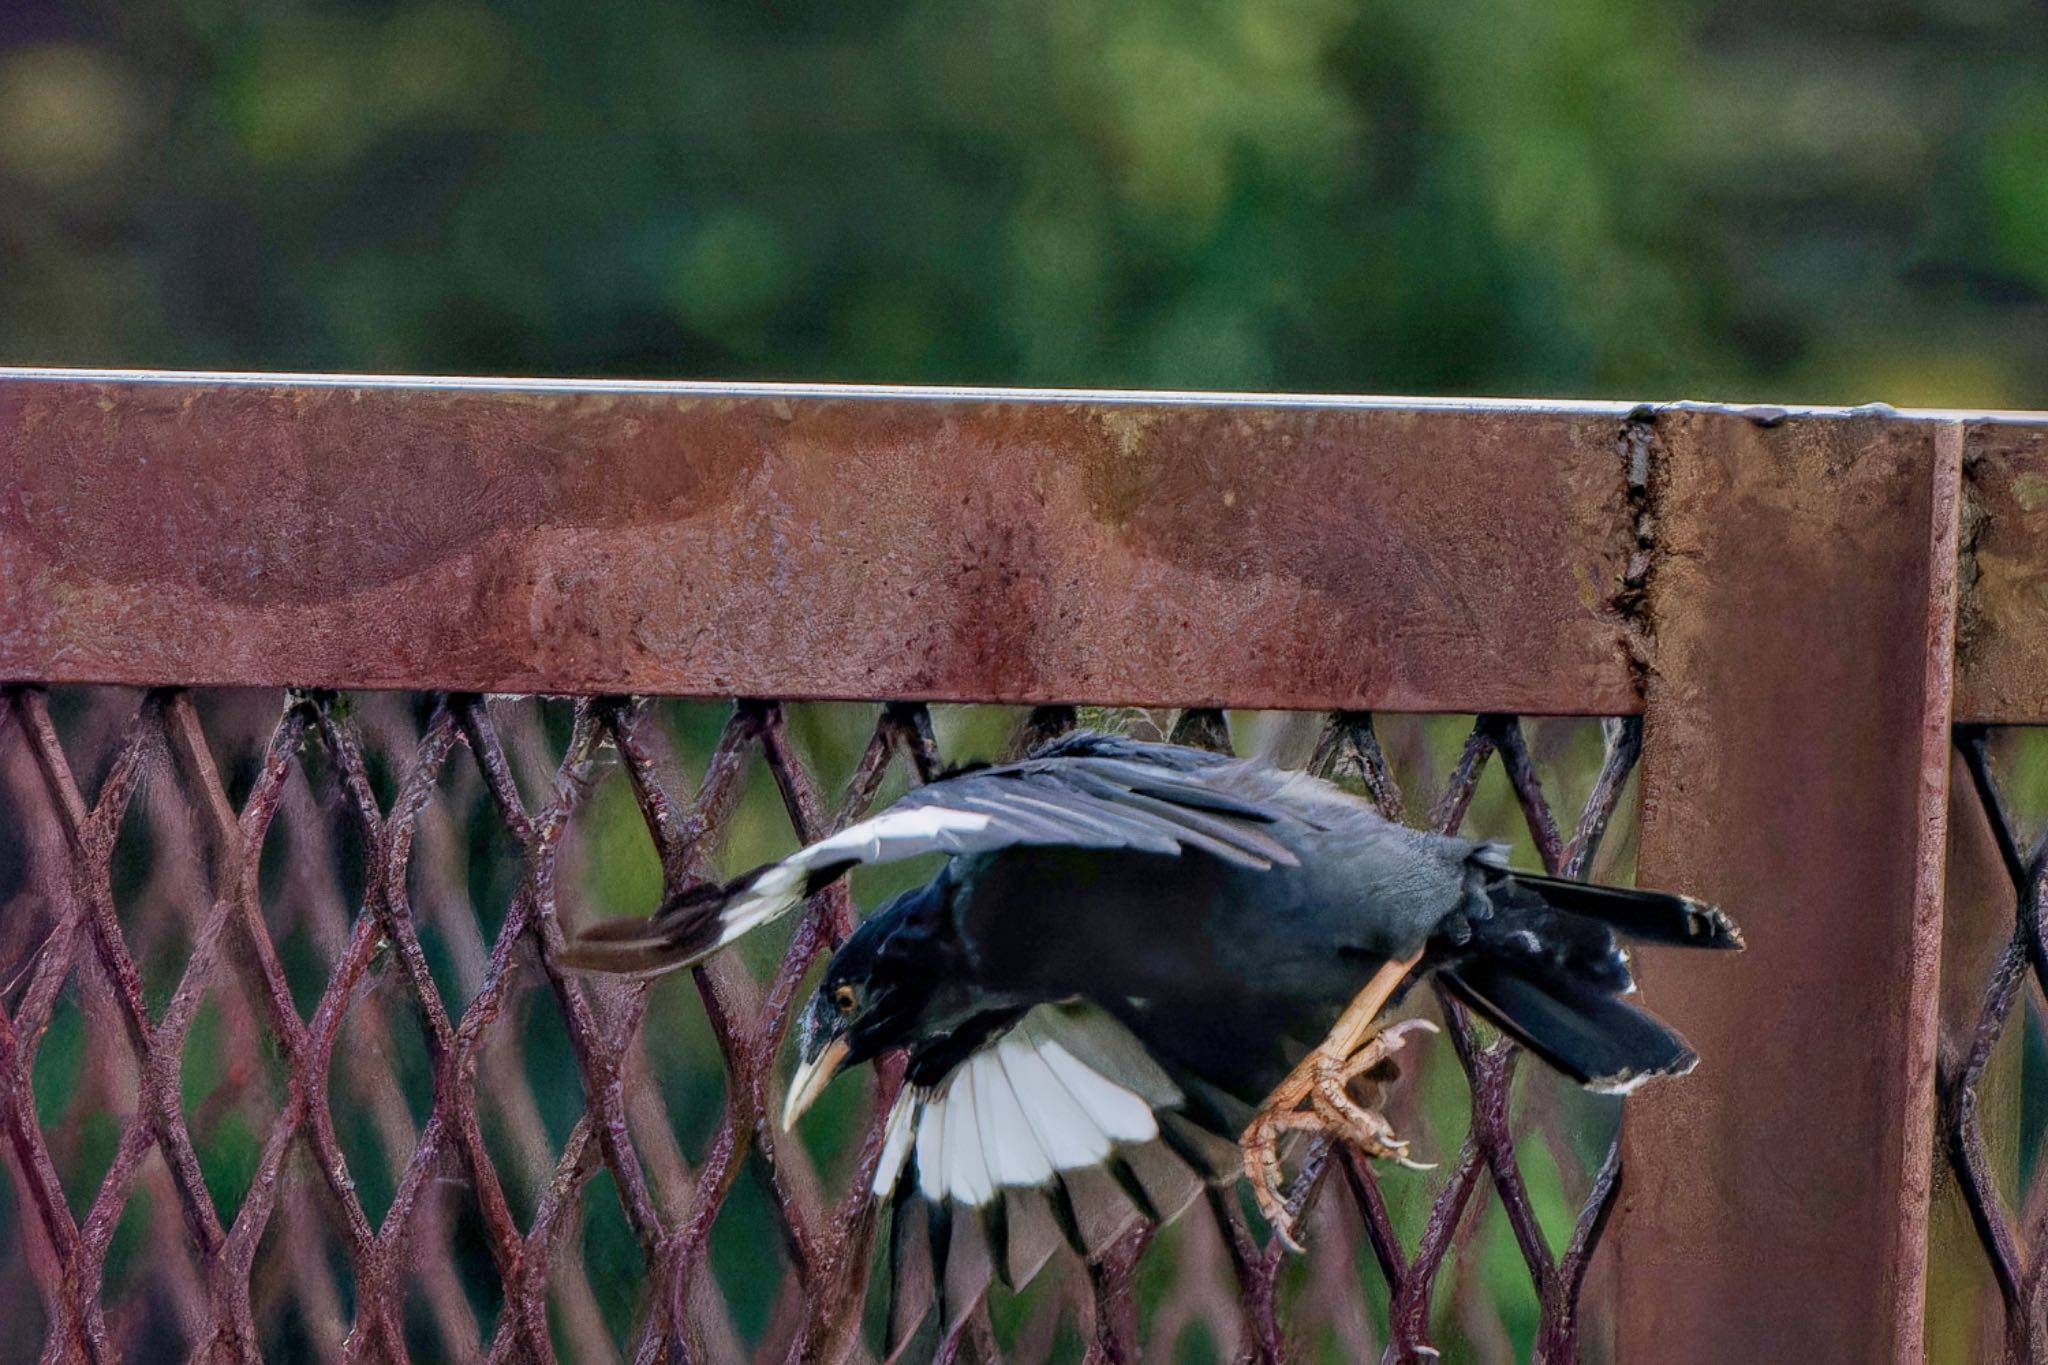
x=1801, y=611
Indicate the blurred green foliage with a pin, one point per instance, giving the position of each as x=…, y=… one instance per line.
x=1823, y=202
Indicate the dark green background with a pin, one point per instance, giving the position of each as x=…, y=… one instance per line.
x=1837, y=202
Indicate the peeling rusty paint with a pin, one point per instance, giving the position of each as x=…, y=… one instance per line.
x=2003, y=640
x=1640, y=457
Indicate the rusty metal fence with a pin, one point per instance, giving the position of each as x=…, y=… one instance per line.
x=478, y=1165
x=286, y=1069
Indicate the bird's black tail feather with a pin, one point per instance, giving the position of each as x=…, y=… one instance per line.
x=1649, y=916
x=1599, y=1040
x=1544, y=967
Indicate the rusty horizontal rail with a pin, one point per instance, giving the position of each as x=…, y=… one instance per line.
x=817, y=541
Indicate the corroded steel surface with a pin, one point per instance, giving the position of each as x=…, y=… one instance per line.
x=686, y=542
x=1795, y=769
x=2002, y=657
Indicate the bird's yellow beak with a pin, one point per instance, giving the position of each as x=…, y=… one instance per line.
x=810, y=1081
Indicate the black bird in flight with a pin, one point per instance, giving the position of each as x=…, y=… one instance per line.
x=1143, y=961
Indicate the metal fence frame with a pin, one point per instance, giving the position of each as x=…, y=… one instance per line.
x=1801, y=606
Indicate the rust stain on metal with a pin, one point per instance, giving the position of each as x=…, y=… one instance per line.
x=1795, y=771
x=845, y=546
x=1637, y=443
x=2003, y=642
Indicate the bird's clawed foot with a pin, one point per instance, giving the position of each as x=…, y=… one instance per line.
x=1322, y=1081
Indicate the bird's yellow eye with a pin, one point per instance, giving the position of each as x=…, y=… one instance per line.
x=844, y=998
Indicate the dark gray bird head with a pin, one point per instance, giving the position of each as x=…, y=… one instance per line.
x=877, y=993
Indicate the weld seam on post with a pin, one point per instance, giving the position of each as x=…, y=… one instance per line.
x=1930, y=864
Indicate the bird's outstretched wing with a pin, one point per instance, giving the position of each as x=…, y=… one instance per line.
x=1061, y=1128
x=1088, y=791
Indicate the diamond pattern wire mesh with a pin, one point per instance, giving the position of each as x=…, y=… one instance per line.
x=2011, y=1222
x=285, y=1064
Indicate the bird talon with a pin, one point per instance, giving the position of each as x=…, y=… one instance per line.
x=1320, y=1084
x=1263, y=1167
x=1364, y=1128
x=1381, y=1046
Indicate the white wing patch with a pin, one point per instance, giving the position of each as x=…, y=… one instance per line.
x=1119, y=1114
x=1626, y=1083
x=1012, y=1114
x=965, y=1166
x=774, y=894
x=889, y=836
x=896, y=1142
x=894, y=834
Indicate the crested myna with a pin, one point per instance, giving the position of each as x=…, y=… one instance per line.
x=1138, y=954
